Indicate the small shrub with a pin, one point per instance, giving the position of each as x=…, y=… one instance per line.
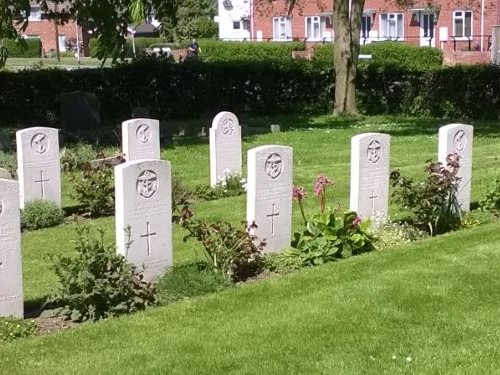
x=98, y=283
x=233, y=252
x=392, y=234
x=14, y=328
x=94, y=189
x=30, y=47
x=76, y=157
x=491, y=201
x=181, y=197
x=281, y=262
x=476, y=218
x=432, y=204
x=190, y=280
x=230, y=186
x=40, y=213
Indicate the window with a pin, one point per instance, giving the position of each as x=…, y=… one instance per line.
x=366, y=26
x=282, y=28
x=319, y=28
x=391, y=25
x=236, y=25
x=35, y=14
x=62, y=43
x=462, y=23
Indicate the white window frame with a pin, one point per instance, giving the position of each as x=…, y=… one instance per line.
x=320, y=22
x=35, y=14
x=368, y=16
x=398, y=18
x=280, y=23
x=456, y=16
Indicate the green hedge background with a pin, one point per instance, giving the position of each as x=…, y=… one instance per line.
x=32, y=48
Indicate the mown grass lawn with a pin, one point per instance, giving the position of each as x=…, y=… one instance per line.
x=427, y=308
x=431, y=307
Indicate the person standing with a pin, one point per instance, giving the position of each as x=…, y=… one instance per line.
x=194, y=48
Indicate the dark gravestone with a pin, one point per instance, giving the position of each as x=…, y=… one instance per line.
x=80, y=111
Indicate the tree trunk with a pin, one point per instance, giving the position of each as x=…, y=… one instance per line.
x=347, y=23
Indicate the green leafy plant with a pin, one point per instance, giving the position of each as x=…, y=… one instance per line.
x=476, y=218
x=94, y=189
x=281, y=262
x=41, y=213
x=98, y=283
x=491, y=201
x=14, y=328
x=8, y=161
x=433, y=203
x=76, y=157
x=330, y=234
x=392, y=234
x=233, y=252
x=233, y=184
x=190, y=280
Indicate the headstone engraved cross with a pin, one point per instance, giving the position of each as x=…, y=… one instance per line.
x=269, y=195
x=370, y=155
x=225, y=146
x=11, y=278
x=41, y=181
x=38, y=164
x=457, y=139
x=143, y=195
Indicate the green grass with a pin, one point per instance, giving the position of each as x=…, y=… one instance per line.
x=428, y=308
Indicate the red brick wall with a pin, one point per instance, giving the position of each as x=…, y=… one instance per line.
x=45, y=30
x=263, y=21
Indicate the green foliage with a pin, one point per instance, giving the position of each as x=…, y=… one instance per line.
x=13, y=328
x=76, y=157
x=332, y=235
x=189, y=280
x=281, y=262
x=248, y=51
x=491, y=201
x=406, y=56
x=230, y=186
x=40, y=213
x=94, y=190
x=233, y=252
x=472, y=219
x=98, y=283
x=392, y=234
x=8, y=161
x=30, y=47
x=432, y=204
x=141, y=44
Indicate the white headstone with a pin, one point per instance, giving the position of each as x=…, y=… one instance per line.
x=269, y=194
x=457, y=139
x=143, y=196
x=38, y=164
x=225, y=146
x=370, y=159
x=141, y=139
x=11, y=277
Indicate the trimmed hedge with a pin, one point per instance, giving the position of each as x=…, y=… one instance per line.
x=140, y=45
x=33, y=48
x=194, y=88
x=390, y=53
x=213, y=50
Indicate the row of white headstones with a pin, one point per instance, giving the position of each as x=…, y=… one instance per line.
x=143, y=190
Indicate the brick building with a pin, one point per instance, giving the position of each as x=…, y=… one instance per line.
x=39, y=26
x=463, y=33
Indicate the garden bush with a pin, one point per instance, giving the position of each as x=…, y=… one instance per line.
x=404, y=56
x=30, y=47
x=141, y=44
x=39, y=214
x=76, y=157
x=14, y=328
x=491, y=201
x=98, y=283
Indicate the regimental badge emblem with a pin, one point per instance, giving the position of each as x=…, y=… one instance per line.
x=460, y=140
x=374, y=151
x=227, y=126
x=147, y=184
x=39, y=143
x=144, y=133
x=274, y=166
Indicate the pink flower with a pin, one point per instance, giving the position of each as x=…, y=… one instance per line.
x=298, y=193
x=356, y=221
x=321, y=183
